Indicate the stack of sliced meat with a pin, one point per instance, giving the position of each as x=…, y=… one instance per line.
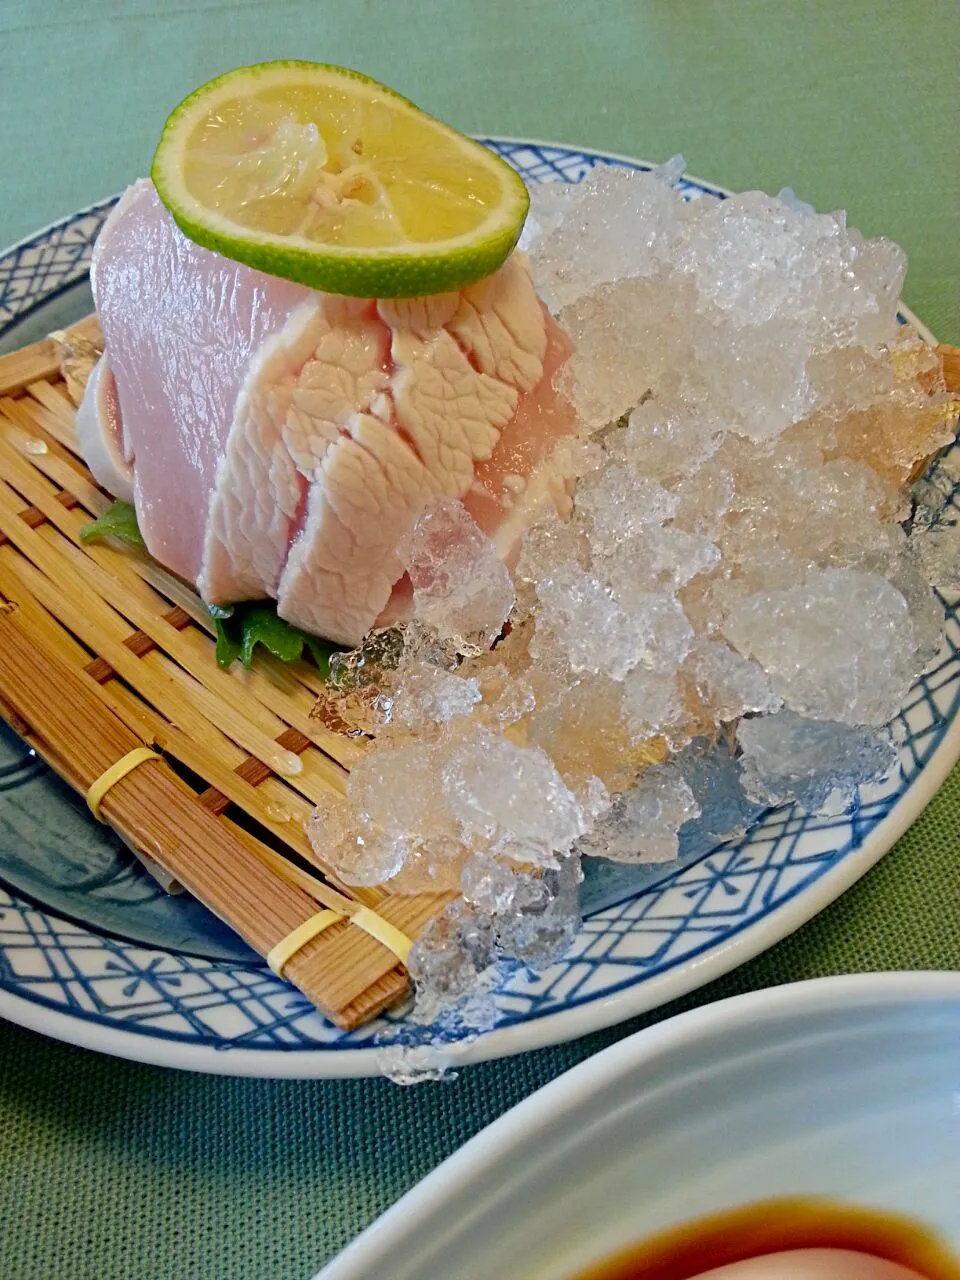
x=279, y=442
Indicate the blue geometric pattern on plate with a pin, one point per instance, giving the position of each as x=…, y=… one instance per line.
x=105, y=966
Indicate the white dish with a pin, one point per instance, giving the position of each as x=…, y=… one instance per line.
x=843, y=1087
x=92, y=952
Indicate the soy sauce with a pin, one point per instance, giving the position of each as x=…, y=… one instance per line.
x=774, y=1226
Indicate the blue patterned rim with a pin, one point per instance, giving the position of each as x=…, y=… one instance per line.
x=116, y=966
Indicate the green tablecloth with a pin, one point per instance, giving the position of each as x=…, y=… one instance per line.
x=111, y=1170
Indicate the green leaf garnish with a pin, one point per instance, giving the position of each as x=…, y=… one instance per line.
x=320, y=651
x=239, y=627
x=229, y=646
x=118, y=521
x=262, y=626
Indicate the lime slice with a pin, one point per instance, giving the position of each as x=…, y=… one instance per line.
x=323, y=176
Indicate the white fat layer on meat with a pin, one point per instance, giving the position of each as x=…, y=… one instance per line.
x=257, y=491
x=421, y=316
x=452, y=414
x=369, y=491
x=500, y=325
x=99, y=433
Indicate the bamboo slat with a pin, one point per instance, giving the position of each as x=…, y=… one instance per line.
x=951, y=366
x=102, y=650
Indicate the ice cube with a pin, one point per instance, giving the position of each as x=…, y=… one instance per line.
x=668, y=557
x=840, y=646
x=747, y=256
x=397, y=788
x=759, y=260
x=461, y=587
x=938, y=547
x=669, y=440
x=427, y=695
x=359, y=853
x=510, y=799
x=450, y=957
x=615, y=224
x=584, y=734
x=713, y=774
x=496, y=886
x=588, y=624
x=549, y=544
x=516, y=700
x=912, y=576
x=642, y=823
x=671, y=171
x=541, y=929
x=620, y=505
x=628, y=337
x=359, y=691
x=651, y=701
x=789, y=758
x=730, y=684
x=787, y=196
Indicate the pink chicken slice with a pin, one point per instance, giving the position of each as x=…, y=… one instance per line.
x=185, y=332
x=282, y=442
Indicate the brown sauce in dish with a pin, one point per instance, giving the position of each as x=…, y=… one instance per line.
x=776, y=1226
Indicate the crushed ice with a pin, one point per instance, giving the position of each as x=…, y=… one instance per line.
x=734, y=570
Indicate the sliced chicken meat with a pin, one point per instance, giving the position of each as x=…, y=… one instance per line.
x=280, y=442
x=100, y=434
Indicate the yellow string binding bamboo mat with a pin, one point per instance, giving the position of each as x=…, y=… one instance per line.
x=103, y=652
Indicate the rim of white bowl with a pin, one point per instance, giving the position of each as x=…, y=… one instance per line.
x=520, y=1128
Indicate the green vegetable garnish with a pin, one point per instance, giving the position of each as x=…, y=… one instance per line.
x=229, y=646
x=118, y=521
x=240, y=627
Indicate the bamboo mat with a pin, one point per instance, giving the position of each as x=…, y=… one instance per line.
x=103, y=651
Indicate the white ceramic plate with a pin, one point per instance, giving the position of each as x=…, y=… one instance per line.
x=92, y=952
x=845, y=1087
